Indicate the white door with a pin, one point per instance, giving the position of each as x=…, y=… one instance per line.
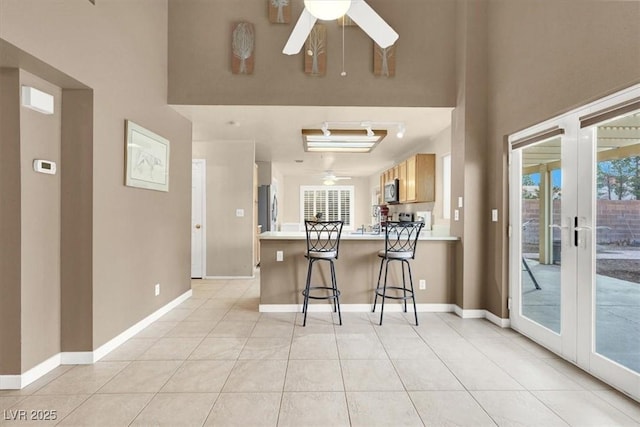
x=543, y=260
x=575, y=244
x=198, y=215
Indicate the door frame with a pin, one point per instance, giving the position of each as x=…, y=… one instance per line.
x=203, y=196
x=581, y=309
x=563, y=343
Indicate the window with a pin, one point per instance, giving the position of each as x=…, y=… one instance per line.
x=334, y=202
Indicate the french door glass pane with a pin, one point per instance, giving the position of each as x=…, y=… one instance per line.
x=541, y=244
x=617, y=245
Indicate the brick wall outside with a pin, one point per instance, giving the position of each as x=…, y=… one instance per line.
x=618, y=221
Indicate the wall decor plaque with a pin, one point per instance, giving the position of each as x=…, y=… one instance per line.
x=242, y=48
x=315, y=51
x=279, y=11
x=384, y=60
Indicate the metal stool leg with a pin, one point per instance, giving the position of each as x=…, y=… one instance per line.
x=384, y=289
x=413, y=294
x=375, y=300
x=404, y=286
x=305, y=305
x=334, y=282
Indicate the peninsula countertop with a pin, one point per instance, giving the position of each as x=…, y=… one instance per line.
x=353, y=235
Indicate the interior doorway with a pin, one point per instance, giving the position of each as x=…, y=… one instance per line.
x=198, y=219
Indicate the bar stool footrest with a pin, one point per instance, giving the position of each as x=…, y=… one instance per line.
x=327, y=288
x=409, y=292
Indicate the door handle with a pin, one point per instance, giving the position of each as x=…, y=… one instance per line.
x=560, y=227
x=198, y=226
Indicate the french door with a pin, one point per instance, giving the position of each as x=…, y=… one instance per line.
x=575, y=237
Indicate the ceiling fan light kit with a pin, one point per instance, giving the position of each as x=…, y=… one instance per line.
x=359, y=12
x=327, y=10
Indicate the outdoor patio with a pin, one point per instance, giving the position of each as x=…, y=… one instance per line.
x=617, y=304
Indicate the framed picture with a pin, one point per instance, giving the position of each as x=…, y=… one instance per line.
x=146, y=158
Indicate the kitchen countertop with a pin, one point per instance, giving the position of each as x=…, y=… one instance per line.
x=352, y=235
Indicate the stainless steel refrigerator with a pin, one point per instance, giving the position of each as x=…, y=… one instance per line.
x=267, y=208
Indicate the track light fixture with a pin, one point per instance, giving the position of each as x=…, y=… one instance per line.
x=325, y=129
x=401, y=130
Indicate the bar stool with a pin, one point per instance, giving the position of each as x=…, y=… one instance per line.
x=323, y=240
x=399, y=245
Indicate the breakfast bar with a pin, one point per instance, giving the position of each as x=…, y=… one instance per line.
x=283, y=270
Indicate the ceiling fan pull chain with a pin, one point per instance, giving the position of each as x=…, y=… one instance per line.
x=343, y=73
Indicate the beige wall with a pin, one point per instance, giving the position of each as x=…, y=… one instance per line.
x=291, y=206
x=40, y=224
x=468, y=151
x=140, y=237
x=230, y=167
x=199, y=58
x=576, y=52
x=10, y=222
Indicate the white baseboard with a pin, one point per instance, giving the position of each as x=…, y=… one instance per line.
x=16, y=382
x=111, y=345
x=12, y=382
x=351, y=308
x=393, y=308
x=503, y=323
x=228, y=277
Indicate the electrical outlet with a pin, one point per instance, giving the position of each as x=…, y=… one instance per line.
x=279, y=256
x=423, y=285
x=239, y=213
x=456, y=215
x=157, y=289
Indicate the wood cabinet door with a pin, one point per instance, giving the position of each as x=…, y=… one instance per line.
x=425, y=177
x=411, y=179
x=402, y=177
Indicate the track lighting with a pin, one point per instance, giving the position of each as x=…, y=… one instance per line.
x=401, y=130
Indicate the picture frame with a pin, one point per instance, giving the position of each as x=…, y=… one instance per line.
x=147, y=157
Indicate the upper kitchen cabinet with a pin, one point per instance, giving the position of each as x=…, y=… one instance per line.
x=420, y=182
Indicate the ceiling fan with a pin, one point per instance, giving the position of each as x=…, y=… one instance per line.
x=329, y=178
x=358, y=10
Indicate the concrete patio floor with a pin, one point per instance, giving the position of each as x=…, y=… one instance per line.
x=617, y=302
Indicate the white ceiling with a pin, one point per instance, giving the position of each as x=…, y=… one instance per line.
x=276, y=132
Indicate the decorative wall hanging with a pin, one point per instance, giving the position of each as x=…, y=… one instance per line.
x=315, y=51
x=279, y=11
x=242, y=48
x=384, y=60
x=146, y=158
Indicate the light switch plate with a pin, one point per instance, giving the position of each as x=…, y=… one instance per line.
x=279, y=256
x=494, y=215
x=460, y=201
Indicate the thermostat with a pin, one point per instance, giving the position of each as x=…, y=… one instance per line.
x=44, y=166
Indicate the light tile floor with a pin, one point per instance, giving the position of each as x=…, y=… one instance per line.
x=216, y=361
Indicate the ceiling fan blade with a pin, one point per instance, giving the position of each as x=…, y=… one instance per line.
x=342, y=177
x=372, y=24
x=300, y=33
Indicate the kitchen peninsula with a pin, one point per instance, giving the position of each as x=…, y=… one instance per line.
x=357, y=267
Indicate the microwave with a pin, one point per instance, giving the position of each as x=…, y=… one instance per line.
x=391, y=191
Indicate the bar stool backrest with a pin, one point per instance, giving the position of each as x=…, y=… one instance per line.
x=323, y=237
x=401, y=238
